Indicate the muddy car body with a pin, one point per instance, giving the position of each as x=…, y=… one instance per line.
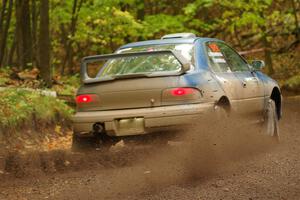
x=183, y=78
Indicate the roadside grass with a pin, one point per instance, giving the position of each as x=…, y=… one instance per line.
x=28, y=118
x=20, y=107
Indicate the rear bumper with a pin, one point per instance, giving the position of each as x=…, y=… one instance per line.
x=153, y=118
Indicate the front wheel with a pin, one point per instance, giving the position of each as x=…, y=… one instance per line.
x=271, y=124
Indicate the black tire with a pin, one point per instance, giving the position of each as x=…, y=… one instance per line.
x=82, y=143
x=105, y=141
x=271, y=123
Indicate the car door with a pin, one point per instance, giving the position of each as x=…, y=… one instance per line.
x=250, y=87
x=223, y=73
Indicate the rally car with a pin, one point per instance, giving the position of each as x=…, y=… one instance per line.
x=173, y=81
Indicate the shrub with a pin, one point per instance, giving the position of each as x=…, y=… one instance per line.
x=68, y=86
x=21, y=107
x=292, y=84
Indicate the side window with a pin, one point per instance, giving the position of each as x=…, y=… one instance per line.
x=236, y=62
x=216, y=58
x=223, y=58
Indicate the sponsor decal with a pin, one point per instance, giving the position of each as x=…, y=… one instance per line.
x=215, y=54
x=214, y=47
x=219, y=60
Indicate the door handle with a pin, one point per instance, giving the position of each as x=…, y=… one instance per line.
x=244, y=84
x=254, y=79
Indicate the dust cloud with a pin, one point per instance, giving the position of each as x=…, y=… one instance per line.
x=204, y=149
x=195, y=153
x=192, y=153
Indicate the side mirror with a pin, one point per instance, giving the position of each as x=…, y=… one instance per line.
x=257, y=65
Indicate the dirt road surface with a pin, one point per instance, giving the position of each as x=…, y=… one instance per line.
x=221, y=161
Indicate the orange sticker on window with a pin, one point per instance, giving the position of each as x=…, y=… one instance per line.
x=214, y=47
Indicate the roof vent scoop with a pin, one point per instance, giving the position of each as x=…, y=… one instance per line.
x=179, y=35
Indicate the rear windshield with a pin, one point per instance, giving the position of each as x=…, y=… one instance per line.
x=186, y=50
x=146, y=63
x=141, y=64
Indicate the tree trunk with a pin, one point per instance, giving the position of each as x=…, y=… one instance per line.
x=34, y=21
x=11, y=52
x=44, y=43
x=268, y=54
x=19, y=35
x=297, y=27
x=141, y=10
x=267, y=46
x=5, y=31
x=68, y=46
x=68, y=61
x=4, y=2
x=73, y=31
x=24, y=45
x=27, y=32
x=64, y=41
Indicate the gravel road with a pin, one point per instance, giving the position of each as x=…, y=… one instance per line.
x=227, y=160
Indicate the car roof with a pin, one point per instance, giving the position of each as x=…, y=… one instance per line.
x=166, y=41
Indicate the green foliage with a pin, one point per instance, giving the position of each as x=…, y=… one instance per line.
x=192, y=8
x=4, y=75
x=68, y=86
x=160, y=24
x=293, y=83
x=21, y=107
x=101, y=26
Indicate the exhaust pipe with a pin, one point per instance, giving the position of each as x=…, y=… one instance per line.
x=101, y=137
x=98, y=128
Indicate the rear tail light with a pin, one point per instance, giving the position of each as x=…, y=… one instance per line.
x=181, y=94
x=182, y=91
x=86, y=99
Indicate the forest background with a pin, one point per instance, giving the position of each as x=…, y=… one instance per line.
x=53, y=35
x=43, y=41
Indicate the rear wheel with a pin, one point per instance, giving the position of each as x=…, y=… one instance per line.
x=82, y=143
x=99, y=140
x=271, y=124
